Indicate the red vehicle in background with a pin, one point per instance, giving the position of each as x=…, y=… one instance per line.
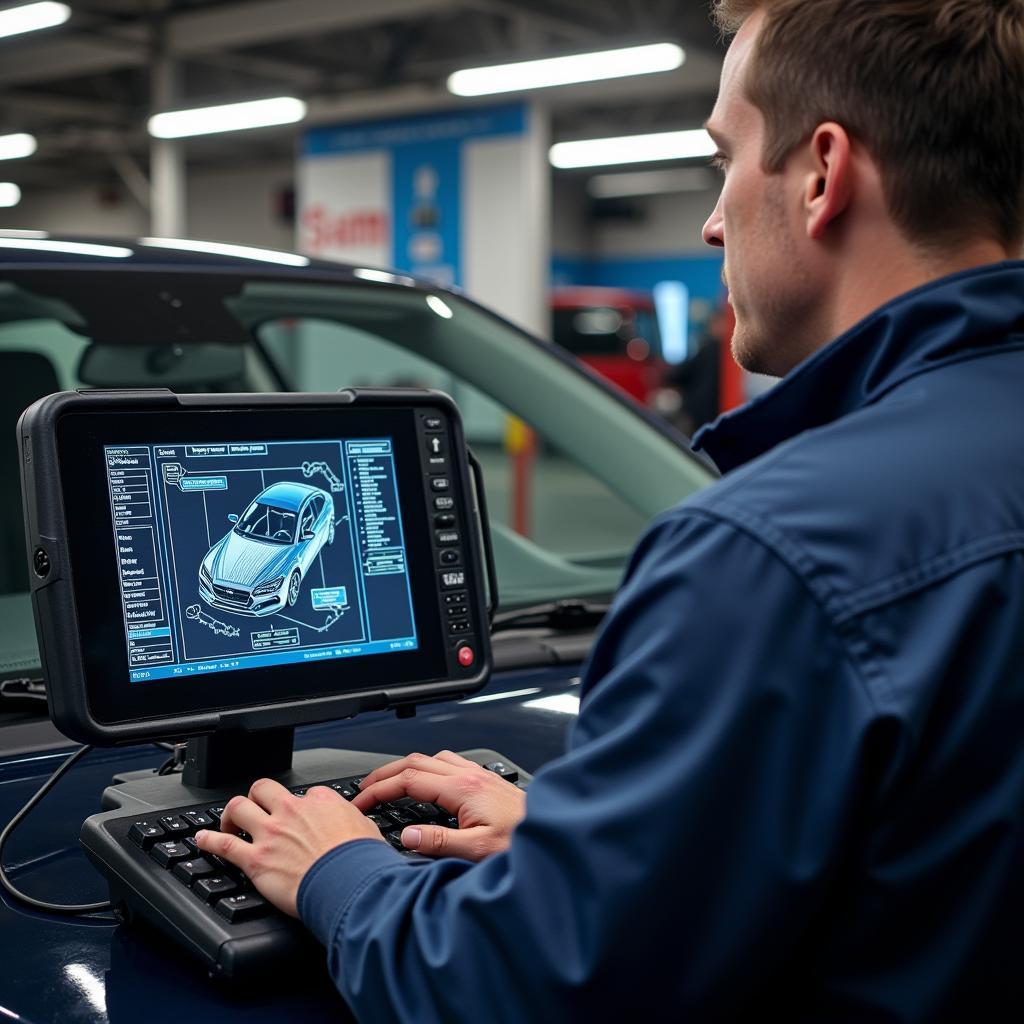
x=615, y=332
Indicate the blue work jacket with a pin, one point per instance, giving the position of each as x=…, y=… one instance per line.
x=795, y=789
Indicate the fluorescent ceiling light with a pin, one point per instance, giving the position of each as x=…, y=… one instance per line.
x=582, y=67
x=228, y=117
x=288, y=259
x=440, y=307
x=78, y=248
x=633, y=149
x=31, y=17
x=650, y=183
x=14, y=147
x=10, y=194
x=381, y=276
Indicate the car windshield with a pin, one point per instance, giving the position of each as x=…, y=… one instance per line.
x=572, y=473
x=264, y=522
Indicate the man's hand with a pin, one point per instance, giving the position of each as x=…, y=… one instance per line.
x=289, y=834
x=488, y=807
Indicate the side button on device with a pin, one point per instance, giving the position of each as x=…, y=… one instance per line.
x=440, y=483
x=41, y=563
x=466, y=656
x=450, y=557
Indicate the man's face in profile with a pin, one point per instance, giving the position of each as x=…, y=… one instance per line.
x=767, y=286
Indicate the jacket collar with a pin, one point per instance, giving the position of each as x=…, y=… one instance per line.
x=938, y=323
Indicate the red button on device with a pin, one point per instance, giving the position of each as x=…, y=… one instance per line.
x=466, y=656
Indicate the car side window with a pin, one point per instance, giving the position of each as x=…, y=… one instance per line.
x=317, y=505
x=536, y=494
x=308, y=515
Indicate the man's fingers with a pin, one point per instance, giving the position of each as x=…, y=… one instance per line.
x=242, y=815
x=231, y=848
x=456, y=760
x=268, y=794
x=436, y=841
x=442, y=789
x=418, y=761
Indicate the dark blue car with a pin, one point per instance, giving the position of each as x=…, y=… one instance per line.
x=93, y=313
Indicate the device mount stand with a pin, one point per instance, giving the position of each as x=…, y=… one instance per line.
x=223, y=758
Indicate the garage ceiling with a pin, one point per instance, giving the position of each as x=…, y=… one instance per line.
x=85, y=89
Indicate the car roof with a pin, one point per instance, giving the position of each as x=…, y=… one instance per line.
x=286, y=495
x=28, y=249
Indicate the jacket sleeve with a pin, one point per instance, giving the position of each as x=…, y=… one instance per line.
x=673, y=857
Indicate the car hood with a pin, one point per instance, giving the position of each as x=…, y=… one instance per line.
x=246, y=562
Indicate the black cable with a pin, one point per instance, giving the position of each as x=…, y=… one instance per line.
x=53, y=908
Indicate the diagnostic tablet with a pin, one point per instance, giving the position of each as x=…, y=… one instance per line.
x=247, y=561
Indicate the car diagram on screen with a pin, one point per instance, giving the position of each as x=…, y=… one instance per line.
x=259, y=566
x=265, y=552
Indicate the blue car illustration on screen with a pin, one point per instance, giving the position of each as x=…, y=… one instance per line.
x=259, y=566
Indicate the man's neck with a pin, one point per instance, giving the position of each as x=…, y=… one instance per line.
x=881, y=280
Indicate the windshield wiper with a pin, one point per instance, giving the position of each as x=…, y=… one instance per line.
x=562, y=616
x=26, y=688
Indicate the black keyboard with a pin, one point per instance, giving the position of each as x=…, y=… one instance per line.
x=158, y=874
x=168, y=839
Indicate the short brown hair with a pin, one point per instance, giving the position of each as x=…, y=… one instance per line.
x=934, y=89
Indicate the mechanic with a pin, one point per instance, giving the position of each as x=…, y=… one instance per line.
x=795, y=789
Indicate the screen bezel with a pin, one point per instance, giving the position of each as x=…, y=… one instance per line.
x=111, y=699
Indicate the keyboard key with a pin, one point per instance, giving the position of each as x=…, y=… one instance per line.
x=242, y=907
x=174, y=825
x=425, y=812
x=198, y=819
x=506, y=771
x=188, y=871
x=347, y=791
x=146, y=833
x=212, y=888
x=451, y=821
x=228, y=870
x=402, y=815
x=193, y=846
x=168, y=854
x=215, y=813
x=301, y=790
x=382, y=821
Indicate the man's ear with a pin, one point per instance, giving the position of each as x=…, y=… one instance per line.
x=828, y=185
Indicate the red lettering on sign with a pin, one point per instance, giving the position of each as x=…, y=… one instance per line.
x=327, y=230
